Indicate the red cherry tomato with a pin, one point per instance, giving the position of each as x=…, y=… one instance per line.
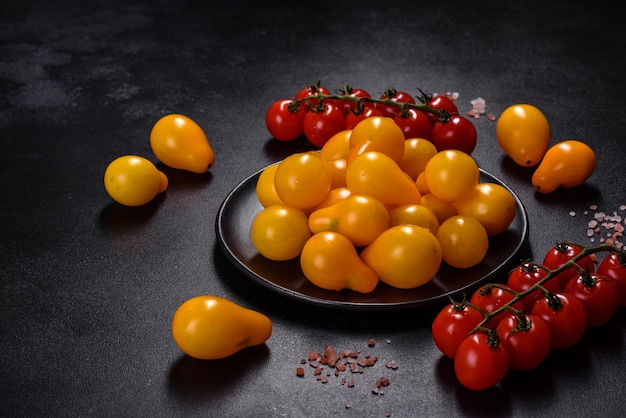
x=283, y=123
x=560, y=254
x=320, y=126
x=489, y=298
x=350, y=106
x=452, y=325
x=613, y=266
x=394, y=96
x=441, y=103
x=599, y=295
x=566, y=317
x=481, y=362
x=415, y=124
x=458, y=133
x=526, y=338
x=352, y=119
x=312, y=91
x=526, y=275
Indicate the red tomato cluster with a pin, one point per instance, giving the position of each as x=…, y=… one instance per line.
x=318, y=115
x=542, y=308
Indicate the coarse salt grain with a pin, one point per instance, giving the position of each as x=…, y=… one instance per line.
x=608, y=228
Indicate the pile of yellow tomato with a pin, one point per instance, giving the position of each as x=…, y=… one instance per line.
x=372, y=206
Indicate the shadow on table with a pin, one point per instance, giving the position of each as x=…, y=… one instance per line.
x=199, y=381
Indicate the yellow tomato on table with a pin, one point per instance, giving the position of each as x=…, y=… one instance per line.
x=523, y=133
x=179, y=142
x=212, y=328
x=133, y=180
x=567, y=164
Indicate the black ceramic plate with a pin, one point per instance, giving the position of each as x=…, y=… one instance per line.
x=285, y=277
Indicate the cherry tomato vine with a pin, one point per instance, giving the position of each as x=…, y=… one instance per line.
x=318, y=114
x=510, y=334
x=316, y=100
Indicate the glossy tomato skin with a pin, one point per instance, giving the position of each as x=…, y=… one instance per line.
x=567, y=320
x=464, y=241
x=523, y=133
x=452, y=325
x=312, y=90
x=414, y=124
x=614, y=268
x=133, y=180
x=212, y=328
x=352, y=119
x=527, y=339
x=560, y=254
x=489, y=298
x=479, y=366
x=566, y=164
x=526, y=275
x=350, y=106
x=395, y=96
x=458, y=133
x=320, y=126
x=441, y=102
x=492, y=204
x=279, y=232
x=599, y=295
x=179, y=142
x=282, y=123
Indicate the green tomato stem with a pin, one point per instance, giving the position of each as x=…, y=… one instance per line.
x=553, y=301
x=444, y=116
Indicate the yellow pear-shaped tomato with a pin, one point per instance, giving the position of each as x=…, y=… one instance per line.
x=360, y=218
x=265, y=190
x=133, y=180
x=376, y=174
x=278, y=232
x=417, y=152
x=330, y=261
x=404, y=256
x=491, y=204
x=337, y=147
x=450, y=174
x=303, y=180
x=567, y=164
x=464, y=241
x=211, y=328
x=377, y=133
x=418, y=215
x=179, y=142
x=523, y=133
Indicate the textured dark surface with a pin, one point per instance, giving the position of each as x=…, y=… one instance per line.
x=88, y=288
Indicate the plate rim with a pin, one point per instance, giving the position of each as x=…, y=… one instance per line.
x=352, y=305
